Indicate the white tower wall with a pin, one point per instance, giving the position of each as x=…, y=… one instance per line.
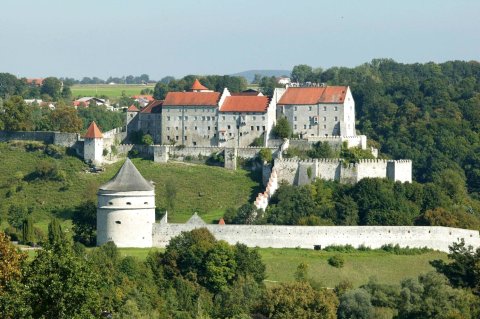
x=126, y=218
x=93, y=150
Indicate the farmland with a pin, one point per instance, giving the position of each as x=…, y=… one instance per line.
x=113, y=91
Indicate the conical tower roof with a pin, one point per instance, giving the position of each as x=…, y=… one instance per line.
x=197, y=86
x=127, y=179
x=93, y=131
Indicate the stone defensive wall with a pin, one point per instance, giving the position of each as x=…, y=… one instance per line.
x=334, y=141
x=300, y=172
x=264, y=236
x=57, y=138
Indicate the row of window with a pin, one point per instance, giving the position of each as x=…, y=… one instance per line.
x=315, y=119
x=186, y=128
x=212, y=118
x=128, y=203
x=310, y=108
x=194, y=109
x=305, y=127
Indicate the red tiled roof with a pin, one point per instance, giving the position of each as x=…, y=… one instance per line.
x=221, y=221
x=133, y=108
x=93, y=131
x=153, y=107
x=245, y=104
x=146, y=97
x=314, y=95
x=191, y=98
x=198, y=86
x=38, y=81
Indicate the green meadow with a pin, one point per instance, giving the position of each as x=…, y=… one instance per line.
x=113, y=91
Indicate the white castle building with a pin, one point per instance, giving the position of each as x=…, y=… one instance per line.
x=126, y=216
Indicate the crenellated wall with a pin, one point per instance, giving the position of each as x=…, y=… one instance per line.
x=434, y=237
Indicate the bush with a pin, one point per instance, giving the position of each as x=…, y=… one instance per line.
x=265, y=155
x=397, y=250
x=336, y=261
x=13, y=233
x=341, y=248
x=54, y=151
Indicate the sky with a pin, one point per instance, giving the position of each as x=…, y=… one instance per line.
x=103, y=38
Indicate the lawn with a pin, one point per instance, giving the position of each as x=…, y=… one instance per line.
x=112, y=91
x=198, y=188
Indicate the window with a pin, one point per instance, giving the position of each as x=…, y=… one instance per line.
x=186, y=118
x=254, y=118
x=228, y=127
x=118, y=222
x=223, y=118
x=213, y=118
x=194, y=143
x=305, y=126
x=324, y=118
x=145, y=203
x=336, y=108
x=310, y=127
x=110, y=203
x=176, y=128
x=186, y=128
x=263, y=128
x=229, y=134
x=294, y=118
x=168, y=128
x=295, y=126
x=168, y=118
x=336, y=118
x=176, y=137
x=324, y=126
x=195, y=118
x=324, y=108
x=179, y=118
x=295, y=108
x=128, y=203
x=208, y=118
x=263, y=118
x=196, y=128
x=309, y=108
x=251, y=128
x=209, y=128
x=186, y=137
x=203, y=118
x=258, y=128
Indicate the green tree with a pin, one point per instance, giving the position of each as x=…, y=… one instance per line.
x=298, y=300
x=17, y=213
x=66, y=119
x=160, y=91
x=28, y=236
x=84, y=221
x=61, y=285
x=355, y=304
x=321, y=150
x=220, y=267
x=265, y=155
x=52, y=87
x=55, y=233
x=302, y=73
x=16, y=115
x=282, y=129
x=147, y=139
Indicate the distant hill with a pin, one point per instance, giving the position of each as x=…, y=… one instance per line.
x=250, y=74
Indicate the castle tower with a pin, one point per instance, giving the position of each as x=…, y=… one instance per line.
x=132, y=118
x=199, y=87
x=93, y=145
x=126, y=209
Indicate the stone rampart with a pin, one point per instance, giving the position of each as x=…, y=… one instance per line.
x=264, y=236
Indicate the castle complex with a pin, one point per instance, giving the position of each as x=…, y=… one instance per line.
x=126, y=216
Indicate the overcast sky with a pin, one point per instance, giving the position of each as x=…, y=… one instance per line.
x=77, y=38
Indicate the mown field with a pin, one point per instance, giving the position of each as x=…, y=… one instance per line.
x=359, y=266
x=112, y=91
x=197, y=188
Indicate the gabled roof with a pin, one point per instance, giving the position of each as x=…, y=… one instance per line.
x=93, y=131
x=127, y=179
x=245, y=104
x=133, y=108
x=197, y=86
x=313, y=95
x=191, y=99
x=153, y=107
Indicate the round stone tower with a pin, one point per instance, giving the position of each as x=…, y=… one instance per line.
x=126, y=209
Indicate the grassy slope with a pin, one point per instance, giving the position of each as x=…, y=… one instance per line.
x=112, y=91
x=207, y=190
x=359, y=266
